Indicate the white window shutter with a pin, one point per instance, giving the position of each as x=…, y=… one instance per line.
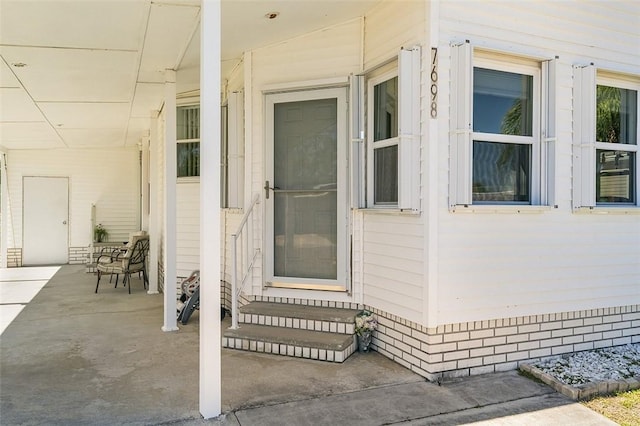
x=409, y=67
x=549, y=141
x=584, y=134
x=357, y=125
x=460, y=124
x=235, y=150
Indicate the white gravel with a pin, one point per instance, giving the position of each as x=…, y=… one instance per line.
x=616, y=363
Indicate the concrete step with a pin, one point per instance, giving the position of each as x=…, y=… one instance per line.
x=300, y=343
x=305, y=317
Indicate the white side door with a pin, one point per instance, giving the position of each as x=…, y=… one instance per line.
x=306, y=190
x=45, y=207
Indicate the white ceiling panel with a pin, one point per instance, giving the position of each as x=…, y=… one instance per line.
x=83, y=115
x=148, y=96
x=18, y=135
x=73, y=74
x=168, y=33
x=104, y=24
x=7, y=79
x=88, y=138
x=16, y=105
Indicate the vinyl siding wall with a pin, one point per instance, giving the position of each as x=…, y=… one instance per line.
x=107, y=178
x=499, y=265
x=393, y=255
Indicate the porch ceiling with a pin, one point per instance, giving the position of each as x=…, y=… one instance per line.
x=87, y=74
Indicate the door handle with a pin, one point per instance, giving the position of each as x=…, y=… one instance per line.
x=267, y=188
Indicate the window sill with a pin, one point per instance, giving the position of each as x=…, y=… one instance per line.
x=501, y=209
x=621, y=210
x=188, y=179
x=388, y=211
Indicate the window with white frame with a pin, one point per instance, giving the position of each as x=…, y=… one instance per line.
x=188, y=138
x=501, y=129
x=616, y=142
x=393, y=134
x=605, y=108
x=383, y=107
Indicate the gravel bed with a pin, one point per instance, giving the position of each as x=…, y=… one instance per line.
x=616, y=363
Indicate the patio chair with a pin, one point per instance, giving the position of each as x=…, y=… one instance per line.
x=127, y=262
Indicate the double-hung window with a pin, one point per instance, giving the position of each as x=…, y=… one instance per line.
x=383, y=107
x=616, y=143
x=188, y=138
x=502, y=128
x=605, y=139
x=392, y=134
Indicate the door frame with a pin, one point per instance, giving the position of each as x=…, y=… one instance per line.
x=342, y=282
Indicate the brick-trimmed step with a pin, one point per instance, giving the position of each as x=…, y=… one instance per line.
x=305, y=317
x=298, y=343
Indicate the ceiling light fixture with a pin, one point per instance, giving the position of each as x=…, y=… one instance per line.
x=19, y=64
x=272, y=15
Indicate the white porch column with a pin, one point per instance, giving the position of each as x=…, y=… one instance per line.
x=170, y=228
x=210, y=356
x=4, y=232
x=144, y=183
x=154, y=192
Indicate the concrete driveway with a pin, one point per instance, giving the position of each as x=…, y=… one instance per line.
x=75, y=357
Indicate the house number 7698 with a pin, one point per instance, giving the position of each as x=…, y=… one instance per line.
x=434, y=82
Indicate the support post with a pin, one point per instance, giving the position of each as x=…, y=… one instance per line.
x=154, y=190
x=170, y=227
x=210, y=343
x=4, y=232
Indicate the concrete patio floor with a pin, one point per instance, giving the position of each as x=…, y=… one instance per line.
x=74, y=357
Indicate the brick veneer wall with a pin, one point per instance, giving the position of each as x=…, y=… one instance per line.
x=78, y=255
x=502, y=344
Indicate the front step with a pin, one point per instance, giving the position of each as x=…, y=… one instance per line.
x=312, y=332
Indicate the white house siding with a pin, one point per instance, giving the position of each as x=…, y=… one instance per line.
x=329, y=53
x=497, y=265
x=107, y=178
x=188, y=228
x=393, y=259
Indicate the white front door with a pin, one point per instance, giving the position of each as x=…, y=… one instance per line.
x=45, y=237
x=306, y=190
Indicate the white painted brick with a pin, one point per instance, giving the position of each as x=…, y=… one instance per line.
x=622, y=341
x=333, y=327
x=470, y=344
x=612, y=334
x=635, y=339
x=480, y=334
x=303, y=324
x=331, y=356
x=403, y=346
x=569, y=340
x=480, y=352
x=573, y=323
x=325, y=326
x=253, y=345
x=296, y=323
x=530, y=328
x=402, y=362
x=562, y=332
x=603, y=327
x=506, y=366
x=420, y=336
x=322, y=354
x=495, y=341
x=619, y=325
x=314, y=353
x=469, y=362
x=583, y=346
x=583, y=330
x=282, y=322
x=528, y=345
x=550, y=342
x=443, y=366
x=396, y=335
x=456, y=337
x=602, y=344
x=260, y=347
x=551, y=325
x=517, y=338
x=631, y=331
x=592, y=336
x=612, y=318
x=402, y=329
x=339, y=356
x=538, y=353
x=540, y=335
x=444, y=347
x=429, y=358
x=494, y=359
x=517, y=356
x=504, y=331
x=631, y=316
x=506, y=348
x=268, y=347
x=341, y=328
x=593, y=321
x=561, y=350
x=410, y=359
x=449, y=356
